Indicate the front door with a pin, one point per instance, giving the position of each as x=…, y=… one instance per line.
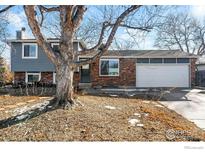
x=85, y=73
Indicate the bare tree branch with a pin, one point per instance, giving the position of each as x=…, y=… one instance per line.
x=6, y=8
x=181, y=31
x=105, y=47
x=30, y=14
x=51, y=9
x=78, y=15
x=147, y=29
x=93, y=49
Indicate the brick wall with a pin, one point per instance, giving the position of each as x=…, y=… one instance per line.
x=126, y=76
x=127, y=72
x=19, y=77
x=47, y=77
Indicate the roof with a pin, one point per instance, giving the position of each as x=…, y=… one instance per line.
x=32, y=40
x=146, y=54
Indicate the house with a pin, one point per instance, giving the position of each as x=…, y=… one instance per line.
x=116, y=68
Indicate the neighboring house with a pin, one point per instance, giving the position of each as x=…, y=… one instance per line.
x=126, y=68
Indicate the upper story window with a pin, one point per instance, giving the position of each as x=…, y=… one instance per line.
x=55, y=46
x=109, y=67
x=29, y=51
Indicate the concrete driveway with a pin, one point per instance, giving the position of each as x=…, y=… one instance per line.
x=189, y=103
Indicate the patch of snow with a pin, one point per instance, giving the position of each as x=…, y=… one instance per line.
x=131, y=95
x=133, y=122
x=167, y=92
x=22, y=116
x=49, y=107
x=21, y=110
x=159, y=106
x=113, y=95
x=110, y=107
x=196, y=90
x=141, y=90
x=137, y=114
x=140, y=125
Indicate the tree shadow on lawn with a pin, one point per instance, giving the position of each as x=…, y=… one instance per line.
x=29, y=114
x=155, y=96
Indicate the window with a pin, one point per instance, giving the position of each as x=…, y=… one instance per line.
x=55, y=47
x=155, y=60
x=29, y=50
x=170, y=60
x=109, y=67
x=33, y=77
x=142, y=60
x=182, y=60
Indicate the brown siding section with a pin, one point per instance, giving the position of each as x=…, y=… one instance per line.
x=126, y=76
x=19, y=77
x=47, y=77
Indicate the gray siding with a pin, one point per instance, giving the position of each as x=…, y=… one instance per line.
x=41, y=64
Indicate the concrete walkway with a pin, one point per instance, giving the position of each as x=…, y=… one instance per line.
x=188, y=103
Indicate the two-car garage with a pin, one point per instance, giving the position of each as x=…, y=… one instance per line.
x=162, y=74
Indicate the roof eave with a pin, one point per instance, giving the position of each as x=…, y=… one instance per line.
x=110, y=56
x=33, y=40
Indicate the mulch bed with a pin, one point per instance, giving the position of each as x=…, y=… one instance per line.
x=105, y=119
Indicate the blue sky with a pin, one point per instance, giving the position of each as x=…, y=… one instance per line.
x=17, y=20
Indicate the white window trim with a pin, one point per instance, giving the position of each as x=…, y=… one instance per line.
x=79, y=47
x=36, y=56
x=78, y=68
x=54, y=77
x=108, y=74
x=52, y=44
x=26, y=78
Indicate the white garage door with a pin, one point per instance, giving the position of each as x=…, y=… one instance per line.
x=162, y=75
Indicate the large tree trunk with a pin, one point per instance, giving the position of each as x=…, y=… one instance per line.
x=64, y=85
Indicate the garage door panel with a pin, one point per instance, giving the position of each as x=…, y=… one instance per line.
x=151, y=75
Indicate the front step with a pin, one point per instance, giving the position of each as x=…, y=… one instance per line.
x=84, y=85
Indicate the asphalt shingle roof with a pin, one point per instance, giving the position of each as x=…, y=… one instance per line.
x=148, y=53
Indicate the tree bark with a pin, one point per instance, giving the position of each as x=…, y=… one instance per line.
x=64, y=85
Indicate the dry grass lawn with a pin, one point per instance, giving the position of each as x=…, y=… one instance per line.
x=102, y=119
